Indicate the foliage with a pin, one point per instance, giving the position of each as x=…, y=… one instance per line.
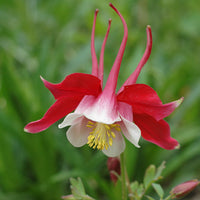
x=52, y=39
x=78, y=191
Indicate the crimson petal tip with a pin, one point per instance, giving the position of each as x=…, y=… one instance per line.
x=29, y=130
x=26, y=130
x=178, y=102
x=148, y=26
x=178, y=146
x=42, y=78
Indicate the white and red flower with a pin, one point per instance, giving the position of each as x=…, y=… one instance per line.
x=100, y=115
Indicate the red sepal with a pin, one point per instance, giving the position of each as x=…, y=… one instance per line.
x=157, y=132
x=58, y=110
x=78, y=82
x=144, y=100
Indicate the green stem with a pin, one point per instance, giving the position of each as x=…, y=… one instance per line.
x=123, y=177
x=169, y=197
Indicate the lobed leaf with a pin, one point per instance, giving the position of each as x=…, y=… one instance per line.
x=149, y=176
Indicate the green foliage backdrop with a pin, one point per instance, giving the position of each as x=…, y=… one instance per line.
x=52, y=39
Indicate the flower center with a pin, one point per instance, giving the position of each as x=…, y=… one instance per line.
x=102, y=135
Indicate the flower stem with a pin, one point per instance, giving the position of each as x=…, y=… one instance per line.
x=168, y=197
x=123, y=177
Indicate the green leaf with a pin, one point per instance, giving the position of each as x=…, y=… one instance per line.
x=134, y=186
x=149, y=176
x=159, y=171
x=158, y=190
x=150, y=198
x=137, y=189
x=77, y=188
x=140, y=190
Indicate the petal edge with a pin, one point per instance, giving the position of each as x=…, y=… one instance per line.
x=157, y=132
x=58, y=110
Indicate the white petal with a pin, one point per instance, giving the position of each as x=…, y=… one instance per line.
x=70, y=119
x=117, y=147
x=78, y=133
x=130, y=131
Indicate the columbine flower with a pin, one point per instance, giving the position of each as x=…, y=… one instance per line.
x=101, y=116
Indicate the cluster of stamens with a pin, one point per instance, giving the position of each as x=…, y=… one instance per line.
x=102, y=135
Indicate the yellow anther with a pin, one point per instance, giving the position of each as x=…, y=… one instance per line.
x=91, y=137
x=89, y=126
x=95, y=145
x=91, y=133
x=110, y=141
x=113, y=134
x=114, y=125
x=90, y=144
x=107, y=126
x=91, y=123
x=108, y=133
x=117, y=128
x=102, y=135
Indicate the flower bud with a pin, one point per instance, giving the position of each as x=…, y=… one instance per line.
x=184, y=188
x=113, y=165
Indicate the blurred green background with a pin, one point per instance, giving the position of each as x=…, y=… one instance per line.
x=52, y=39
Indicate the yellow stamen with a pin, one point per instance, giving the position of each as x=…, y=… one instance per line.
x=107, y=126
x=102, y=135
x=110, y=141
x=89, y=126
x=90, y=123
x=113, y=134
x=108, y=133
x=117, y=128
